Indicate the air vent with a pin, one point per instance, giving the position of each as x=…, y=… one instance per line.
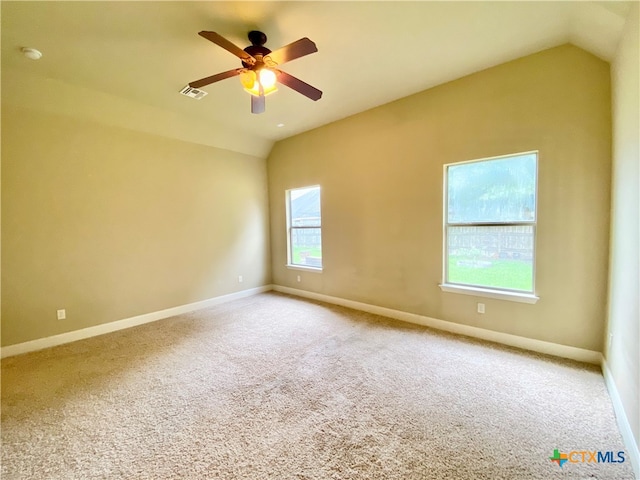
x=193, y=92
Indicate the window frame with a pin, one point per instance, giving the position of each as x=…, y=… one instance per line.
x=291, y=228
x=479, y=290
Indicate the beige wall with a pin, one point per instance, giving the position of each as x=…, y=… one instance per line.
x=381, y=177
x=623, y=356
x=109, y=223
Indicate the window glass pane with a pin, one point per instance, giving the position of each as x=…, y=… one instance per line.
x=501, y=190
x=499, y=257
x=306, y=246
x=304, y=212
x=305, y=207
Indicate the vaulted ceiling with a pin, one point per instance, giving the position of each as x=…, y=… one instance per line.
x=124, y=63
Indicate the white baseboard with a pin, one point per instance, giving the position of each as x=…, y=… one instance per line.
x=565, y=351
x=621, y=417
x=68, y=337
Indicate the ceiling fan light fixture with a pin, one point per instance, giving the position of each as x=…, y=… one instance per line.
x=267, y=78
x=256, y=90
x=252, y=82
x=248, y=79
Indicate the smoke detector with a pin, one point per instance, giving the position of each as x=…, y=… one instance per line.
x=31, y=53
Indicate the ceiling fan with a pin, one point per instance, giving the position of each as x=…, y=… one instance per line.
x=259, y=72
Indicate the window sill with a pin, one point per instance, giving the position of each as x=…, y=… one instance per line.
x=306, y=269
x=487, y=292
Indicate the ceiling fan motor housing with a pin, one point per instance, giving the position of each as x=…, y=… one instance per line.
x=258, y=52
x=257, y=49
x=257, y=38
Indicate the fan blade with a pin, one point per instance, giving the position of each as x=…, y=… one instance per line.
x=299, y=86
x=294, y=50
x=215, y=78
x=257, y=104
x=228, y=46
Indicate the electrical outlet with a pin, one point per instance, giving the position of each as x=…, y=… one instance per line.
x=240, y=280
x=62, y=314
x=298, y=278
x=481, y=308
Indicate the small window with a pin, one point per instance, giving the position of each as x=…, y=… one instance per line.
x=304, y=224
x=490, y=223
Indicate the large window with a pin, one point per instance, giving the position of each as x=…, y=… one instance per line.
x=490, y=223
x=304, y=225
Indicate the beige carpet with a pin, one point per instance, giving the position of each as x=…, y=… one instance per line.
x=274, y=387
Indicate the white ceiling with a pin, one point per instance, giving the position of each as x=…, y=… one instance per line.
x=123, y=63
